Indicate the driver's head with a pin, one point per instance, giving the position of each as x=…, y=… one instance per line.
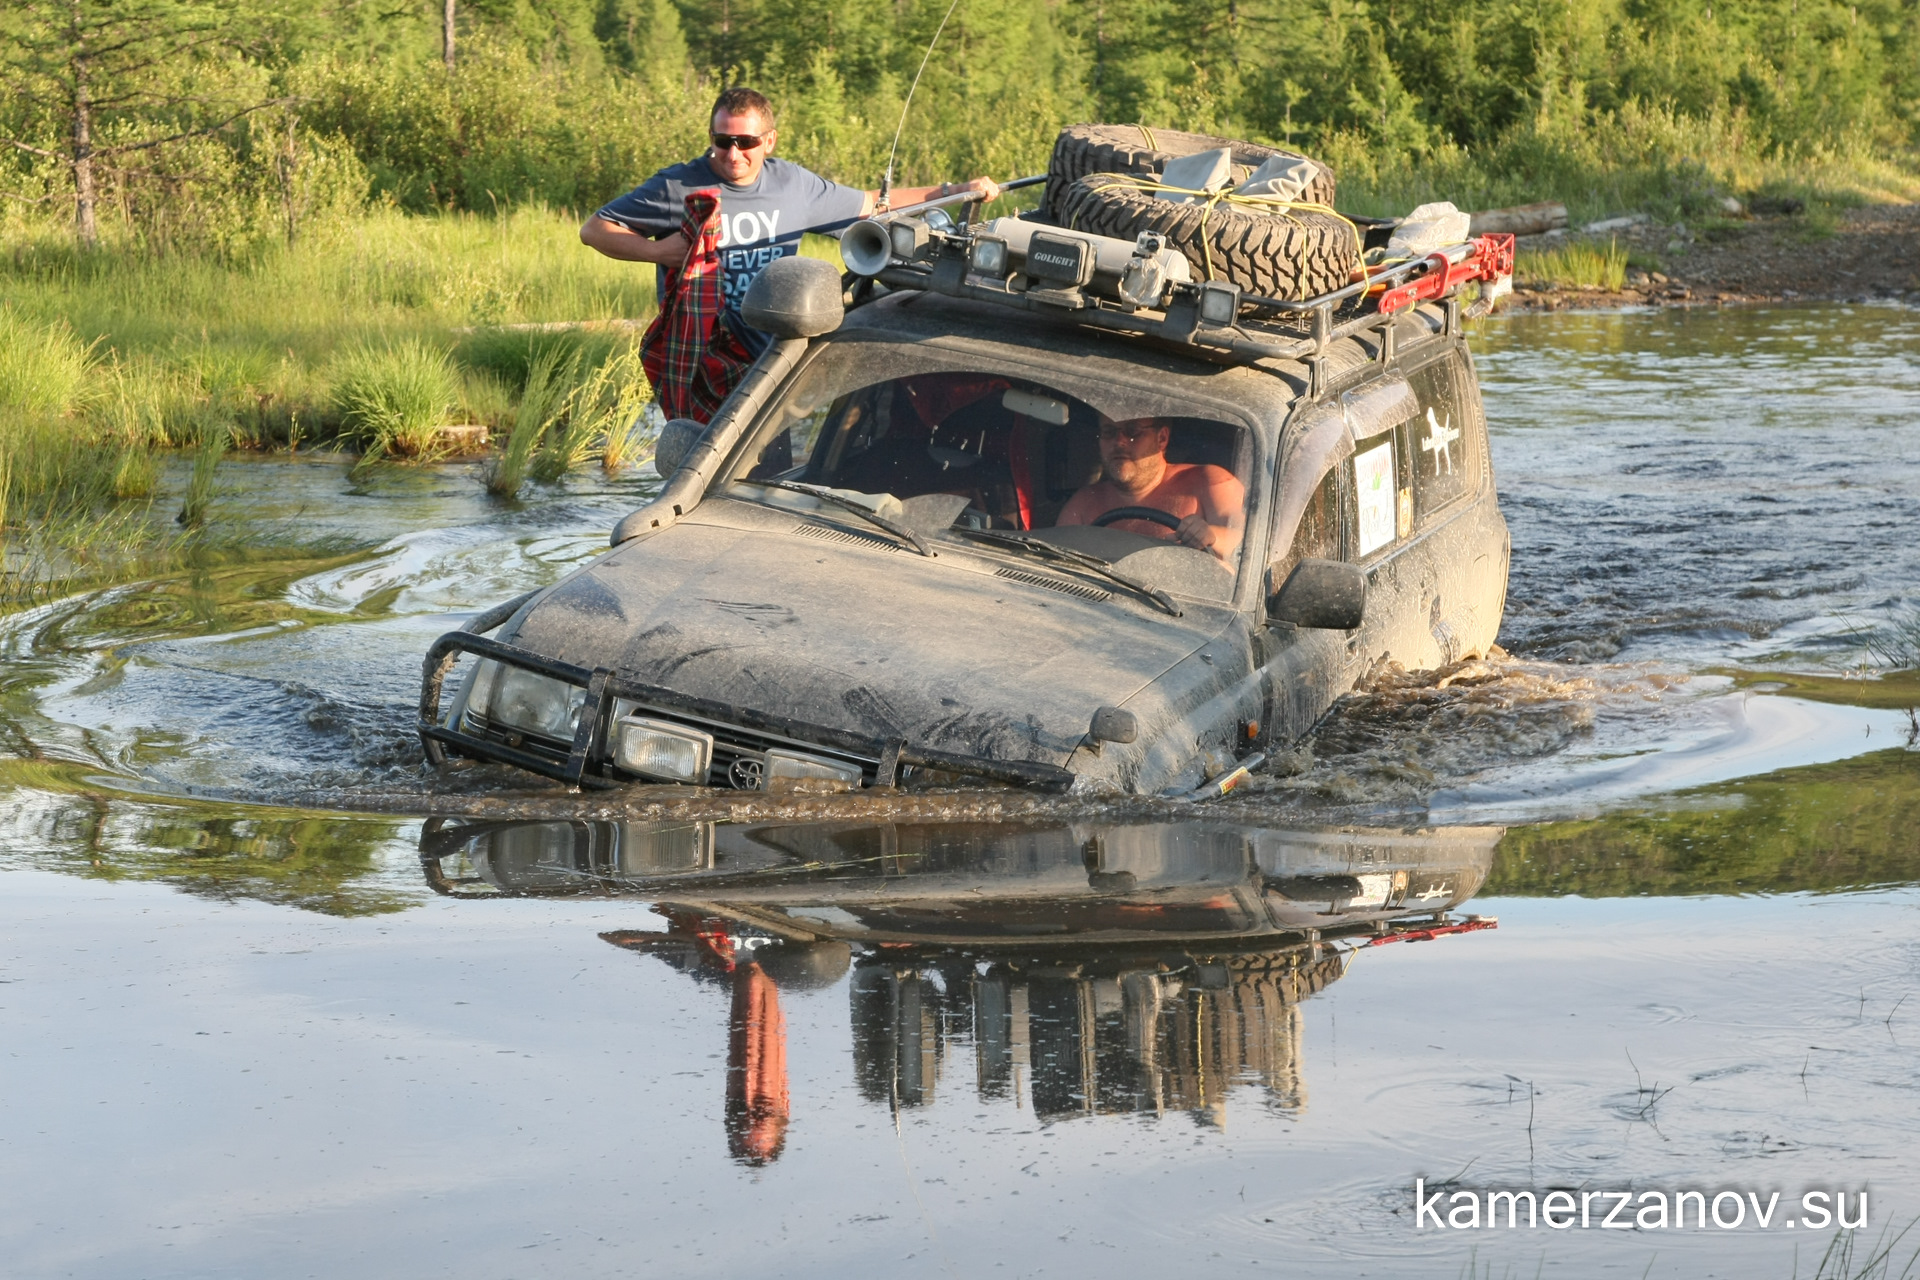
x=1133, y=447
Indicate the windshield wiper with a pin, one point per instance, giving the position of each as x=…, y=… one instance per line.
x=1089, y=562
x=827, y=495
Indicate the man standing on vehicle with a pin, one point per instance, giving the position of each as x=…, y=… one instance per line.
x=1209, y=502
x=765, y=205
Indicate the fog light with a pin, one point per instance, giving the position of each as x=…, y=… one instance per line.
x=656, y=848
x=989, y=256
x=661, y=749
x=794, y=771
x=516, y=698
x=1219, y=303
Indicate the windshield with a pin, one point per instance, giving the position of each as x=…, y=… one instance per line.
x=951, y=444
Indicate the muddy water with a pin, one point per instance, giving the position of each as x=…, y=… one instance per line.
x=250, y=1031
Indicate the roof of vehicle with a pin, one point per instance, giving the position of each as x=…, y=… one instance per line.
x=1268, y=386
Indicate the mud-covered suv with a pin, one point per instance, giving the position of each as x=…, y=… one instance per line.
x=886, y=561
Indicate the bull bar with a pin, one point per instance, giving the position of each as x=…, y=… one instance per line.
x=604, y=686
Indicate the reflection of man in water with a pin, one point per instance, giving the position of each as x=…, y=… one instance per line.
x=705, y=948
x=1209, y=501
x=757, y=1103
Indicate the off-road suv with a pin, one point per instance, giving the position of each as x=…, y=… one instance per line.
x=872, y=568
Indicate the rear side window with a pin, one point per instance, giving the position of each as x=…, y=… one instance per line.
x=1382, y=490
x=1444, y=439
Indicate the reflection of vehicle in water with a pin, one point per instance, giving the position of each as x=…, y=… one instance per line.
x=953, y=540
x=1084, y=968
x=982, y=885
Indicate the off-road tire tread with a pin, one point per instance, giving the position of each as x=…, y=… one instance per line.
x=1296, y=255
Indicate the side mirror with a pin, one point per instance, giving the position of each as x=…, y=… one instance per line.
x=795, y=298
x=1325, y=594
x=670, y=447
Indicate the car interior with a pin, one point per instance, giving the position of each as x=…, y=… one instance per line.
x=1016, y=450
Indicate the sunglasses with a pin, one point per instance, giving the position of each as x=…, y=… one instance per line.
x=736, y=141
x=1130, y=435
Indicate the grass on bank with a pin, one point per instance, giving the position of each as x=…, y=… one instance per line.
x=1638, y=159
x=1574, y=266
x=368, y=341
x=267, y=337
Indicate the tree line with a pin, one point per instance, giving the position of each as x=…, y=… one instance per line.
x=221, y=124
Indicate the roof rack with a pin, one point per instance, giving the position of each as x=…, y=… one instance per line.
x=1145, y=287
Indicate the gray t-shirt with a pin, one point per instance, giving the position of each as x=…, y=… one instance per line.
x=758, y=222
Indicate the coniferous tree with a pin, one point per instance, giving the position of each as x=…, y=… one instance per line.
x=107, y=73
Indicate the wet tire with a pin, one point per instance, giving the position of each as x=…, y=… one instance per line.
x=1293, y=255
x=1084, y=149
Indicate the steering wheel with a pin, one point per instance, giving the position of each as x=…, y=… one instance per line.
x=1152, y=515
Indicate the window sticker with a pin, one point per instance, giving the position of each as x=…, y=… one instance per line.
x=1439, y=437
x=1373, y=486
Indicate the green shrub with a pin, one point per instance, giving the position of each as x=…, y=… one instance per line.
x=393, y=398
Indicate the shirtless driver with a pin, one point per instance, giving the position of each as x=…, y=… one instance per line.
x=1208, y=501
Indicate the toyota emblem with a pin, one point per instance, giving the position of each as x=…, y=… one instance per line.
x=748, y=773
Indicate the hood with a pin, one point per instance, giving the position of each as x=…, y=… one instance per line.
x=846, y=632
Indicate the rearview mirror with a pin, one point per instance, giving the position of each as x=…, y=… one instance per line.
x=1325, y=594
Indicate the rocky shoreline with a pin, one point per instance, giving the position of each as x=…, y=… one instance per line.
x=1868, y=254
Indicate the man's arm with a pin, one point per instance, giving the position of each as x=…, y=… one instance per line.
x=1223, y=512
x=628, y=245
x=984, y=189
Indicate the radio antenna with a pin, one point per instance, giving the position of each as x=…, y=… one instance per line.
x=886, y=179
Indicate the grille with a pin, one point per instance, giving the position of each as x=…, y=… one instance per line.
x=1054, y=584
x=827, y=533
x=731, y=743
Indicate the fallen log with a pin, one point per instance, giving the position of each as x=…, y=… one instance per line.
x=1521, y=220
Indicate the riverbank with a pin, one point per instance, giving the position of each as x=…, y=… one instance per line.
x=1852, y=255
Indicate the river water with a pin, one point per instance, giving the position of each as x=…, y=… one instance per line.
x=274, y=1002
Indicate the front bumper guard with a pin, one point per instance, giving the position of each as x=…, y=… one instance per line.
x=603, y=687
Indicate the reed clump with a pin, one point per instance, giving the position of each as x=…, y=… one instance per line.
x=393, y=398
x=601, y=414
x=1575, y=266
x=550, y=381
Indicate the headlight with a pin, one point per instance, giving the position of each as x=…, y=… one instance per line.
x=514, y=698
x=792, y=771
x=662, y=749
x=480, y=688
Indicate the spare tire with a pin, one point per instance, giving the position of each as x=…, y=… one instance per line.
x=1292, y=255
x=1084, y=149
